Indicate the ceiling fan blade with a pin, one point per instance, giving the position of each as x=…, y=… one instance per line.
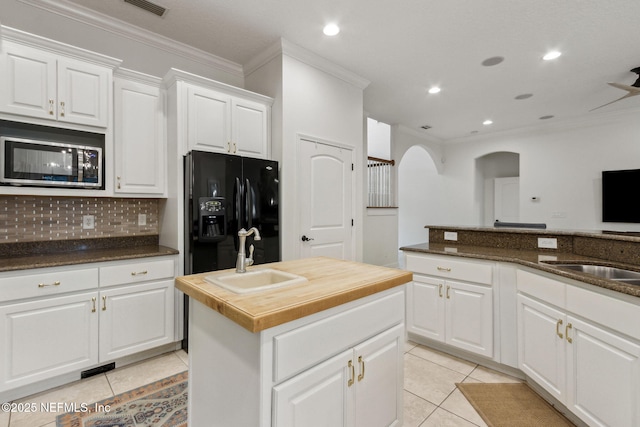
x=629, y=95
x=625, y=87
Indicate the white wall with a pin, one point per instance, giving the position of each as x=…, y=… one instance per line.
x=559, y=164
x=378, y=139
x=312, y=102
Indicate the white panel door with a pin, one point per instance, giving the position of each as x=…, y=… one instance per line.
x=48, y=337
x=325, y=200
x=139, y=138
x=541, y=348
x=469, y=317
x=318, y=397
x=507, y=199
x=249, y=128
x=28, y=83
x=425, y=307
x=603, y=376
x=208, y=122
x=135, y=318
x=83, y=93
x=379, y=384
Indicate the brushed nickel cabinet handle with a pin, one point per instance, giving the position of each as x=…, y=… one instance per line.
x=44, y=285
x=558, y=324
x=448, y=289
x=566, y=332
x=51, y=107
x=361, y=374
x=118, y=178
x=353, y=373
x=440, y=290
x=139, y=273
x=93, y=302
x=61, y=108
x=104, y=303
x=444, y=268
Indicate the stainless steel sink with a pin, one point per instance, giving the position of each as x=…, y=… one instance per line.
x=255, y=280
x=605, y=272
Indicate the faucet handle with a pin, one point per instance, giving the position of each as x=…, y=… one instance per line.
x=250, y=259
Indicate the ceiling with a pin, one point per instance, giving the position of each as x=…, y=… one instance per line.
x=405, y=47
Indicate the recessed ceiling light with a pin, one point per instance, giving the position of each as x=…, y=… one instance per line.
x=552, y=55
x=434, y=89
x=487, y=122
x=495, y=60
x=524, y=96
x=331, y=30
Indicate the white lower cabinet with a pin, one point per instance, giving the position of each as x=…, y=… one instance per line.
x=135, y=318
x=457, y=313
x=591, y=369
x=358, y=387
x=47, y=337
x=56, y=321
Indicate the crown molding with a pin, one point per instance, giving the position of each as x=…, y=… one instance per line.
x=115, y=26
x=43, y=43
x=285, y=47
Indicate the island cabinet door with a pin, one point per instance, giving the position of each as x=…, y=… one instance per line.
x=319, y=397
x=379, y=379
x=603, y=375
x=425, y=307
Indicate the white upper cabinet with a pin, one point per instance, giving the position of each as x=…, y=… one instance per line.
x=44, y=85
x=213, y=116
x=140, y=144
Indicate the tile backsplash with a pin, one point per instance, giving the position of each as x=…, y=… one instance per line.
x=35, y=218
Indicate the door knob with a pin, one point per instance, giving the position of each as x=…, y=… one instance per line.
x=306, y=239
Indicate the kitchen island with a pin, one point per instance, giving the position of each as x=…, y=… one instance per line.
x=324, y=352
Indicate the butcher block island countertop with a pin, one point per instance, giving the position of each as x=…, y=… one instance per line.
x=330, y=282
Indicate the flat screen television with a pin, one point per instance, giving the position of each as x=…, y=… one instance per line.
x=621, y=196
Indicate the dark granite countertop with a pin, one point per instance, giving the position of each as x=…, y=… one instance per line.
x=22, y=256
x=541, y=260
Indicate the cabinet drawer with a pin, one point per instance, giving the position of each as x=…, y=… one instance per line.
x=447, y=267
x=135, y=272
x=46, y=282
x=301, y=348
x=544, y=288
x=613, y=313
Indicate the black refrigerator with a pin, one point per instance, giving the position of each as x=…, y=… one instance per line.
x=224, y=193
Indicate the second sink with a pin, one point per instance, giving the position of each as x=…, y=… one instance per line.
x=605, y=272
x=255, y=280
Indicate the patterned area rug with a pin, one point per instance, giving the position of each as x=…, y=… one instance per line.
x=159, y=404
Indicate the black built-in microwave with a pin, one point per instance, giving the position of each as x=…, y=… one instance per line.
x=38, y=163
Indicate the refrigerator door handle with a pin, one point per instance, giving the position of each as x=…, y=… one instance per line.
x=248, y=204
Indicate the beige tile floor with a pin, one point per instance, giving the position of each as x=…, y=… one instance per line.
x=431, y=398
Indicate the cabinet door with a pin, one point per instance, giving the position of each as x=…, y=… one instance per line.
x=83, y=93
x=45, y=338
x=135, y=318
x=318, y=397
x=208, y=120
x=379, y=384
x=425, y=307
x=249, y=128
x=139, y=138
x=28, y=83
x=541, y=347
x=469, y=317
x=603, y=376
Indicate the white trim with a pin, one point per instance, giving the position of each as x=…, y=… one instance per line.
x=42, y=43
x=115, y=26
x=174, y=75
x=285, y=47
x=125, y=73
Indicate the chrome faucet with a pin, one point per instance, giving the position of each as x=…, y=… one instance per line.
x=243, y=262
